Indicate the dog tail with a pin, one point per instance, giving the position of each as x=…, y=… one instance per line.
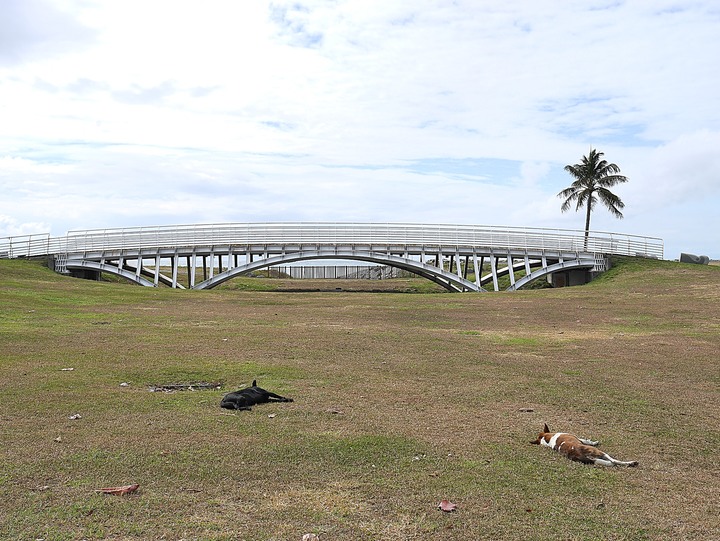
x=254, y=383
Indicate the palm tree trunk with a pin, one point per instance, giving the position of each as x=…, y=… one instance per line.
x=587, y=225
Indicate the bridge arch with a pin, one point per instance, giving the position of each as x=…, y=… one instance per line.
x=544, y=271
x=110, y=269
x=448, y=280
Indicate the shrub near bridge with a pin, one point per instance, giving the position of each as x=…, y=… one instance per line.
x=400, y=401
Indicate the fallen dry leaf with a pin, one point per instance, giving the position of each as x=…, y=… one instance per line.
x=447, y=506
x=119, y=491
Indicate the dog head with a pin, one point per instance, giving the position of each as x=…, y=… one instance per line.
x=544, y=436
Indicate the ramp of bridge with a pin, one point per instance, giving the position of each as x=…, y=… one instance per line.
x=445, y=254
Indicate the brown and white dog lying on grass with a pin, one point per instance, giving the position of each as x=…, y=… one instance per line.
x=578, y=449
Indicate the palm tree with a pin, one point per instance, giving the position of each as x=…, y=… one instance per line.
x=593, y=176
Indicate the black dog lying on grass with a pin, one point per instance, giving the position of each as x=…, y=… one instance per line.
x=245, y=398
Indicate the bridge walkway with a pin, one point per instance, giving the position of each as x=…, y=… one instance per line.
x=446, y=254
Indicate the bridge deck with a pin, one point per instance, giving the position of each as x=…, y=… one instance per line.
x=428, y=250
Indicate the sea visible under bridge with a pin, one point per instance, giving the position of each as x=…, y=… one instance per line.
x=449, y=255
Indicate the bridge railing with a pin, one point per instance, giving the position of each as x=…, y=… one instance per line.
x=328, y=233
x=25, y=246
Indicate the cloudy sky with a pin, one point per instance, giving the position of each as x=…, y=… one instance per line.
x=155, y=112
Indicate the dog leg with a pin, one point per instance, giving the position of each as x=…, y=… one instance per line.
x=242, y=408
x=589, y=442
x=278, y=398
x=629, y=464
x=607, y=460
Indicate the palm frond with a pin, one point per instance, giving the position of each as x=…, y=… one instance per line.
x=611, y=201
x=592, y=178
x=612, y=180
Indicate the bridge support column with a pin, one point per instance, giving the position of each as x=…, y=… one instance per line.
x=493, y=269
x=477, y=269
x=157, y=271
x=174, y=270
x=511, y=271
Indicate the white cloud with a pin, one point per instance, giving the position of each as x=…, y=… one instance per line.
x=38, y=28
x=132, y=113
x=10, y=227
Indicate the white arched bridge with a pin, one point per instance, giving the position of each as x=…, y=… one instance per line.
x=458, y=257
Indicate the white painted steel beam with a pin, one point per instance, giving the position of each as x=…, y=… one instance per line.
x=493, y=269
x=174, y=271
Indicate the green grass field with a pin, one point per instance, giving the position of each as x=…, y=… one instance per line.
x=401, y=400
